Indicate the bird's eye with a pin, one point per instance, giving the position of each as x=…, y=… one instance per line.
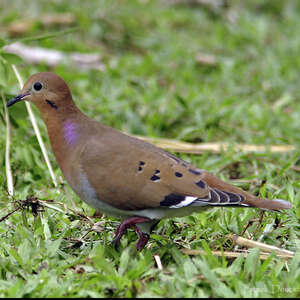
x=37, y=86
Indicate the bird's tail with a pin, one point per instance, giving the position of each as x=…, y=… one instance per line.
x=238, y=197
x=275, y=204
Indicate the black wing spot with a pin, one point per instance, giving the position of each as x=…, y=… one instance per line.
x=201, y=184
x=141, y=163
x=178, y=174
x=155, y=178
x=194, y=171
x=172, y=199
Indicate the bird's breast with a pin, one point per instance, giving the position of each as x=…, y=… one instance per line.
x=71, y=132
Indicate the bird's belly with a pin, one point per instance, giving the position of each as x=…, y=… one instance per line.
x=87, y=193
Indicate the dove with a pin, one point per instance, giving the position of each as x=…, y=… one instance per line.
x=123, y=176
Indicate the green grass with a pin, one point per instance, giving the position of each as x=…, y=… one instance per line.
x=153, y=86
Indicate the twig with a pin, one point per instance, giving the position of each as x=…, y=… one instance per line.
x=259, y=225
x=212, y=4
x=20, y=27
x=296, y=168
x=206, y=59
x=263, y=247
x=36, y=204
x=74, y=212
x=184, y=147
x=158, y=262
x=30, y=201
x=9, y=178
x=36, y=129
x=10, y=213
x=268, y=229
x=50, y=57
x=262, y=256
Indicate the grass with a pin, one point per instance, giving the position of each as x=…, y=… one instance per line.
x=153, y=86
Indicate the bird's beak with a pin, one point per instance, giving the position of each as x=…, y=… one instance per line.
x=17, y=99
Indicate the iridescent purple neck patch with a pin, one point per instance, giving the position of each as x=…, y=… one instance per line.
x=70, y=132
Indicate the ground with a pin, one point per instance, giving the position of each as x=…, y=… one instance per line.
x=154, y=83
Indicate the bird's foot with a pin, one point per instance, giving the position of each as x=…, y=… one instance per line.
x=143, y=238
x=131, y=222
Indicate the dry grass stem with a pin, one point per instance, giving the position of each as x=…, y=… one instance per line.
x=296, y=168
x=229, y=255
x=206, y=59
x=21, y=27
x=50, y=57
x=36, y=129
x=212, y=4
x=158, y=262
x=9, y=177
x=184, y=147
x=263, y=247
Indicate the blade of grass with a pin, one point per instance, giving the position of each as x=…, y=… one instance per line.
x=9, y=178
x=36, y=129
x=44, y=36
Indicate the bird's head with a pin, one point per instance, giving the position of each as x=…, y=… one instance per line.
x=46, y=90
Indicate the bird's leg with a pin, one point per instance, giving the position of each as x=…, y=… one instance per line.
x=131, y=222
x=143, y=238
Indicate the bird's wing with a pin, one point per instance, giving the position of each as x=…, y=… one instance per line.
x=131, y=174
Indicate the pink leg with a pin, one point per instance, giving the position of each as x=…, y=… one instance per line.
x=131, y=222
x=143, y=238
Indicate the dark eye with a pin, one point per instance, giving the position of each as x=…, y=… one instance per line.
x=37, y=86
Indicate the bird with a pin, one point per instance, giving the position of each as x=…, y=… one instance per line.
x=123, y=176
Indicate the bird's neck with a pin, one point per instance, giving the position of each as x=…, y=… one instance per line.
x=66, y=129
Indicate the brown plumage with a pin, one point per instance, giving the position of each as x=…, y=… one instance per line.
x=121, y=175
